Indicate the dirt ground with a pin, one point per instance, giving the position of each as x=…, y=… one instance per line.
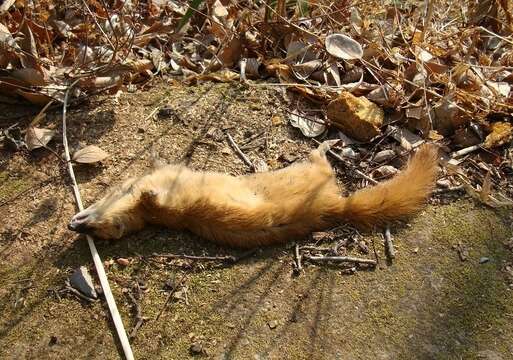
x=427, y=304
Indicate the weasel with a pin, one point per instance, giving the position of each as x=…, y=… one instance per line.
x=258, y=209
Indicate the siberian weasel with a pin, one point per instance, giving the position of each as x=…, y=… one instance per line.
x=258, y=209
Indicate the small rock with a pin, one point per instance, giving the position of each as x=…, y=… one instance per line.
x=384, y=155
x=272, y=324
x=53, y=340
x=288, y=157
x=83, y=282
x=357, y=117
x=416, y=250
x=277, y=120
x=165, y=112
x=123, y=261
x=196, y=349
x=444, y=183
x=484, y=260
x=362, y=245
x=385, y=171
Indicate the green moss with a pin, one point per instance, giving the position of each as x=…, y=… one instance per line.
x=11, y=186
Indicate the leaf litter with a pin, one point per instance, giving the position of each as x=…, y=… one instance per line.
x=381, y=73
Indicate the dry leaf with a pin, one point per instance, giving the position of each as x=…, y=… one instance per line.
x=89, y=154
x=309, y=128
x=502, y=132
x=36, y=98
x=304, y=70
x=486, y=189
x=38, y=137
x=30, y=76
x=343, y=47
x=357, y=117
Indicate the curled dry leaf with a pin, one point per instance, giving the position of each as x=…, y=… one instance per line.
x=343, y=47
x=89, y=155
x=309, y=127
x=502, y=132
x=357, y=117
x=38, y=137
x=304, y=70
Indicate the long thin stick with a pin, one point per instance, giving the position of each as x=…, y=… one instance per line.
x=239, y=151
x=116, y=318
x=349, y=259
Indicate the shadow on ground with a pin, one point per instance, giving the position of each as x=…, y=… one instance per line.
x=427, y=305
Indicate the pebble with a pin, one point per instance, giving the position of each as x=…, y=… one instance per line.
x=123, y=261
x=272, y=324
x=483, y=260
x=196, y=349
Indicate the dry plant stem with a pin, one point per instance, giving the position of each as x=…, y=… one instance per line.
x=193, y=257
x=357, y=172
x=138, y=316
x=298, y=256
x=465, y=151
x=116, y=318
x=449, y=189
x=239, y=151
x=79, y=294
x=168, y=298
x=389, y=245
x=349, y=259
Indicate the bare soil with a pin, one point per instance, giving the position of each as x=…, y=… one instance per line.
x=427, y=304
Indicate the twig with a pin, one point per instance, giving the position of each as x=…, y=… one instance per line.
x=100, y=271
x=357, y=172
x=449, y=189
x=239, y=151
x=375, y=252
x=465, y=151
x=168, y=298
x=139, y=319
x=316, y=248
x=228, y=258
x=349, y=259
x=79, y=294
x=389, y=245
x=298, y=267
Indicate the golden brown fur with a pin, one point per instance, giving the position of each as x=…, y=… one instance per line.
x=258, y=209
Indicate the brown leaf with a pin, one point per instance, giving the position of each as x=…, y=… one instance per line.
x=30, y=76
x=38, y=137
x=35, y=97
x=502, y=132
x=89, y=155
x=486, y=189
x=231, y=52
x=357, y=117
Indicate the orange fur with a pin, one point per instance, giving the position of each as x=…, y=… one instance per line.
x=258, y=209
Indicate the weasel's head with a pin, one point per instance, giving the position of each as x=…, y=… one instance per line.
x=117, y=214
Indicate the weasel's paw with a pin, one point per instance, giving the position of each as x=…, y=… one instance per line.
x=326, y=145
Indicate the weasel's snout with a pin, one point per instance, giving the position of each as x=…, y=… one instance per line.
x=79, y=223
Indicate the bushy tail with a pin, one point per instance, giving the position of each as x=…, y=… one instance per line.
x=399, y=197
